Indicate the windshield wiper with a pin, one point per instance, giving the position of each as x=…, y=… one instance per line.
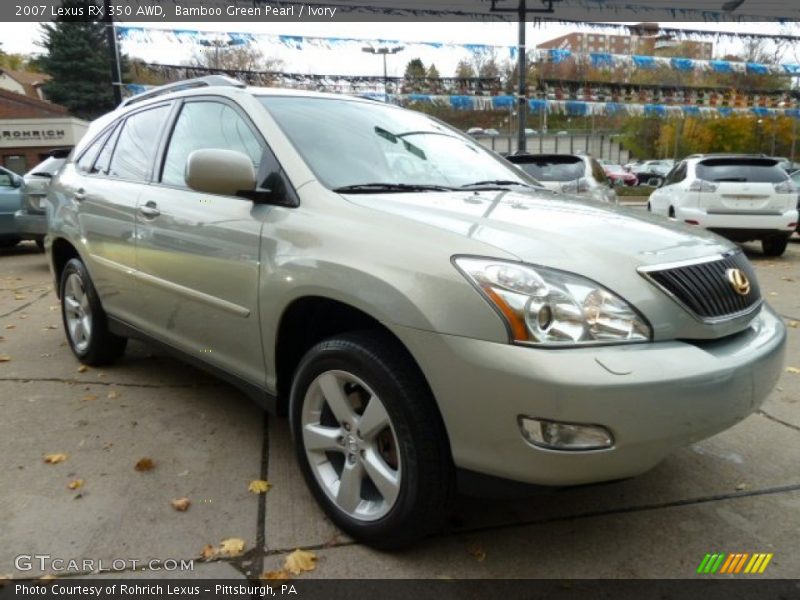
x=496, y=183
x=386, y=188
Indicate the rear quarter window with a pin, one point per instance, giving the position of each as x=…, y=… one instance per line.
x=738, y=170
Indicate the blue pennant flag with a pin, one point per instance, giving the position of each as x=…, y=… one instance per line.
x=536, y=106
x=655, y=110
x=601, y=59
x=420, y=98
x=461, y=102
x=502, y=102
x=757, y=68
x=644, y=62
x=682, y=64
x=576, y=108
x=721, y=66
x=558, y=55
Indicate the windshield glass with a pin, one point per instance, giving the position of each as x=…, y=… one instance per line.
x=554, y=169
x=49, y=165
x=349, y=143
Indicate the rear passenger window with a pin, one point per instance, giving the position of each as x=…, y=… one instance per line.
x=103, y=161
x=138, y=144
x=740, y=170
x=207, y=125
x=87, y=159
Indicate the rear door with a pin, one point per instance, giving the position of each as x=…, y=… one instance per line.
x=743, y=185
x=109, y=177
x=198, y=254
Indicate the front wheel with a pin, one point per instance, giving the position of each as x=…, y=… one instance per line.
x=85, y=321
x=775, y=246
x=370, y=440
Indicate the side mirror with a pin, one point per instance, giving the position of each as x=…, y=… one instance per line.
x=223, y=172
x=17, y=181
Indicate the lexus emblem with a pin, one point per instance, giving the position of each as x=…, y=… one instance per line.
x=739, y=281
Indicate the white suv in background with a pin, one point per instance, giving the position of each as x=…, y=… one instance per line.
x=740, y=197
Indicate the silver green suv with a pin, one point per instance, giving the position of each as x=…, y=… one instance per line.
x=423, y=311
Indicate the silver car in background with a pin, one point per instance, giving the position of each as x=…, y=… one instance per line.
x=426, y=316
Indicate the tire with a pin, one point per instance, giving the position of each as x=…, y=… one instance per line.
x=775, y=246
x=649, y=208
x=40, y=244
x=671, y=212
x=85, y=321
x=409, y=451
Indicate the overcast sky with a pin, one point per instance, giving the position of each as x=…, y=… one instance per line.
x=21, y=37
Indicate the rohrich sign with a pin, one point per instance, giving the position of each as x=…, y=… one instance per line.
x=27, y=133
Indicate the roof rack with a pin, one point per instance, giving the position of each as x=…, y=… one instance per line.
x=187, y=84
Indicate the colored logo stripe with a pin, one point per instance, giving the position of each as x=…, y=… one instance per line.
x=720, y=562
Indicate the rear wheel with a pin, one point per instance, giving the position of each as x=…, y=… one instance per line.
x=671, y=212
x=370, y=441
x=85, y=321
x=775, y=246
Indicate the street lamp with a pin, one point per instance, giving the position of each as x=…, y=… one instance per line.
x=384, y=50
x=218, y=44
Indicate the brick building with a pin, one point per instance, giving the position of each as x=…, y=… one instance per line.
x=30, y=128
x=648, y=42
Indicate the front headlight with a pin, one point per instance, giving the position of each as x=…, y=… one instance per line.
x=546, y=307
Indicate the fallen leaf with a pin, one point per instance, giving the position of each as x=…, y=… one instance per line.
x=20, y=297
x=476, y=552
x=742, y=486
x=208, y=552
x=54, y=459
x=108, y=445
x=773, y=293
x=145, y=464
x=11, y=326
x=274, y=575
x=787, y=279
x=259, y=486
x=75, y=484
x=299, y=561
x=113, y=395
x=793, y=370
x=231, y=547
x=46, y=327
x=89, y=397
x=83, y=369
x=44, y=355
x=793, y=324
x=54, y=307
x=4, y=358
x=181, y=504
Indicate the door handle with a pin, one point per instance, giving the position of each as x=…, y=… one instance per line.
x=150, y=209
x=80, y=195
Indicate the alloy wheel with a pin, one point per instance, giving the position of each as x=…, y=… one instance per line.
x=77, y=313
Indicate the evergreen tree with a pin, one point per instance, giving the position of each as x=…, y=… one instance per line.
x=433, y=76
x=77, y=58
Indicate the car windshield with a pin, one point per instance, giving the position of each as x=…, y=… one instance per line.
x=559, y=168
x=741, y=170
x=348, y=143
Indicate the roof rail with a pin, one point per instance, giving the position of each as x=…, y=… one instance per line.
x=187, y=84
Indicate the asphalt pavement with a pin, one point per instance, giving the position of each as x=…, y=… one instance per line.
x=736, y=492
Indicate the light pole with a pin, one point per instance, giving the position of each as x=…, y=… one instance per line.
x=218, y=45
x=384, y=50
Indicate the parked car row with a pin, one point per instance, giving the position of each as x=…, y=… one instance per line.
x=575, y=174
x=22, y=209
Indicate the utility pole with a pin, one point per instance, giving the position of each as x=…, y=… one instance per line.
x=384, y=51
x=113, y=53
x=522, y=108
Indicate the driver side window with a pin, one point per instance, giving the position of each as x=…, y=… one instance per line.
x=206, y=125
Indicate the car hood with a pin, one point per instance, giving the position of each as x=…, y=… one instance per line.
x=556, y=230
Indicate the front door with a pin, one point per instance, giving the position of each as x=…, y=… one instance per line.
x=198, y=254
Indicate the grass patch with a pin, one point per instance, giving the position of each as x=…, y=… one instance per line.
x=634, y=190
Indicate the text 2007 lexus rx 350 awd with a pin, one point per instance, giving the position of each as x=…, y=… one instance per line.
x=424, y=312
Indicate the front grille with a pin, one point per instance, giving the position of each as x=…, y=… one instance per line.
x=703, y=287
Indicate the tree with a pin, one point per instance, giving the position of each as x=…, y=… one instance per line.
x=433, y=76
x=218, y=55
x=77, y=58
x=464, y=74
x=415, y=69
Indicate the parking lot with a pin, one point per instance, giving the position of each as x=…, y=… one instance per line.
x=736, y=492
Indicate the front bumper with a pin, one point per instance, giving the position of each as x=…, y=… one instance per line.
x=653, y=397
x=30, y=225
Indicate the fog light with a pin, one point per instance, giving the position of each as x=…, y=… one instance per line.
x=555, y=435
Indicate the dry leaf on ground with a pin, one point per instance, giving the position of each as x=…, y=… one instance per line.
x=274, y=575
x=231, y=547
x=299, y=561
x=11, y=326
x=208, y=552
x=259, y=486
x=20, y=297
x=793, y=370
x=793, y=324
x=4, y=358
x=75, y=484
x=113, y=394
x=476, y=552
x=54, y=459
x=181, y=504
x=144, y=464
x=89, y=397
x=83, y=369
